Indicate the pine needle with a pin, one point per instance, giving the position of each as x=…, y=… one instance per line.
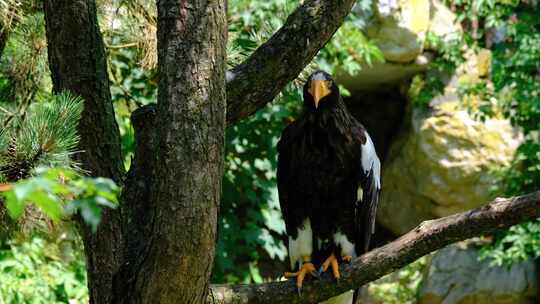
x=47, y=136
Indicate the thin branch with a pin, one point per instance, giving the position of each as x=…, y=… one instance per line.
x=6, y=111
x=255, y=82
x=427, y=237
x=121, y=46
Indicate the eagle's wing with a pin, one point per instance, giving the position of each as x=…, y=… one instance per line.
x=283, y=165
x=297, y=226
x=368, y=191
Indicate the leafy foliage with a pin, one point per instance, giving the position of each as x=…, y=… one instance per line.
x=250, y=210
x=518, y=243
x=449, y=56
x=401, y=286
x=62, y=192
x=510, y=29
x=132, y=86
x=42, y=272
x=349, y=49
x=24, y=73
x=31, y=146
x=45, y=136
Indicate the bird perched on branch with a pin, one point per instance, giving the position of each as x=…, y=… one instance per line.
x=329, y=182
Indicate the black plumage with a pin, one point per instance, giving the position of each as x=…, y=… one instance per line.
x=326, y=159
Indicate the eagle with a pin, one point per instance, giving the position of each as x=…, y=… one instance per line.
x=328, y=176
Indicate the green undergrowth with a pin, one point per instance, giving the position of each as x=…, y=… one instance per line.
x=38, y=270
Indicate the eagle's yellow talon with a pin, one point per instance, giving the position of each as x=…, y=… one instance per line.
x=333, y=263
x=307, y=268
x=347, y=258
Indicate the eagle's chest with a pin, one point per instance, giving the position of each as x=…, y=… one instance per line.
x=324, y=165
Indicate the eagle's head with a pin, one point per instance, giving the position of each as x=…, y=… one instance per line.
x=320, y=91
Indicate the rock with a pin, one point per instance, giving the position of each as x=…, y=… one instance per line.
x=344, y=298
x=380, y=74
x=454, y=275
x=442, y=166
x=399, y=29
x=443, y=22
x=443, y=161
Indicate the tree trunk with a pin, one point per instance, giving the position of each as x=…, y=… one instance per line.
x=158, y=247
x=191, y=122
x=78, y=64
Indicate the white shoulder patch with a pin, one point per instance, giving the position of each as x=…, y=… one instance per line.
x=302, y=245
x=370, y=160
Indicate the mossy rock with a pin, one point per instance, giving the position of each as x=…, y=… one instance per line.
x=444, y=164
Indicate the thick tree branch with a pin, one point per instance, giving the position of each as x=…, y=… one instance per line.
x=425, y=238
x=255, y=82
x=263, y=75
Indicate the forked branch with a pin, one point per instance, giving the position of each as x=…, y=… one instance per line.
x=260, y=78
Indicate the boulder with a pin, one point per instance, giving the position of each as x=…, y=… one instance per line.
x=454, y=275
x=443, y=162
x=399, y=29
x=443, y=165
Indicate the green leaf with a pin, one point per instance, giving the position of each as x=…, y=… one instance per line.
x=14, y=206
x=21, y=190
x=48, y=203
x=91, y=214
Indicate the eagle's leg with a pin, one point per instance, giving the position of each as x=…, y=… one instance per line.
x=307, y=268
x=332, y=262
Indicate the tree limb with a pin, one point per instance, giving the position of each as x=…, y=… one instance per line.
x=427, y=237
x=255, y=82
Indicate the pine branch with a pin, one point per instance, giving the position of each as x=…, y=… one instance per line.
x=47, y=136
x=427, y=237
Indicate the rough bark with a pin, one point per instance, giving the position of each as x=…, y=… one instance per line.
x=158, y=248
x=77, y=63
x=425, y=238
x=159, y=245
x=137, y=211
x=185, y=193
x=263, y=75
x=256, y=81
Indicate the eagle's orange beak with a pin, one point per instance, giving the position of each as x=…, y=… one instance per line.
x=318, y=89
